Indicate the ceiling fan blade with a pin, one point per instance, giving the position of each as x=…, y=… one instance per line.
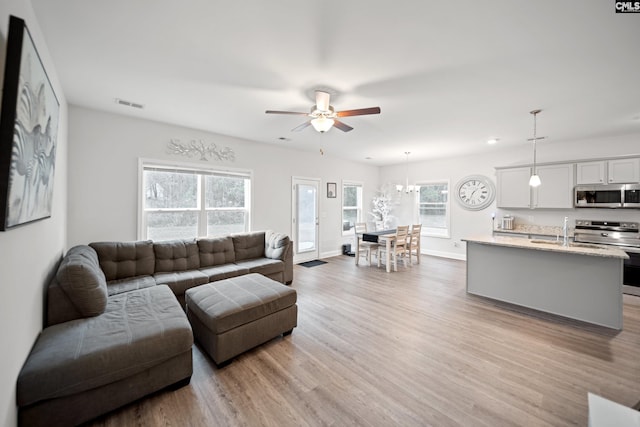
x=342, y=126
x=358, y=112
x=302, y=126
x=286, y=112
x=322, y=100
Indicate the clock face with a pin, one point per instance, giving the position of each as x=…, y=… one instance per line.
x=475, y=192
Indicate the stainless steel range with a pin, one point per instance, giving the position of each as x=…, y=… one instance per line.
x=624, y=235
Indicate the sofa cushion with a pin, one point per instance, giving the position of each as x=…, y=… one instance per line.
x=176, y=255
x=180, y=281
x=130, y=284
x=138, y=330
x=248, y=245
x=264, y=266
x=81, y=279
x=216, y=251
x=120, y=260
x=224, y=271
x=275, y=245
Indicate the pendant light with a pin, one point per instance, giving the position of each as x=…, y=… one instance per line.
x=534, y=181
x=407, y=188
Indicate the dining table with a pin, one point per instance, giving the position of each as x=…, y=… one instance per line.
x=381, y=236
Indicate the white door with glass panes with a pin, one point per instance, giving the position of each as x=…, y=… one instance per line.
x=305, y=219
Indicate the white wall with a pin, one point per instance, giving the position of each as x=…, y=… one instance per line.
x=467, y=223
x=103, y=173
x=29, y=253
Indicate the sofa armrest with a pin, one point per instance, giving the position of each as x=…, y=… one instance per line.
x=59, y=307
x=288, y=264
x=279, y=246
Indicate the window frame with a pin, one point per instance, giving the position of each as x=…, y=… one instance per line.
x=444, y=233
x=202, y=171
x=359, y=209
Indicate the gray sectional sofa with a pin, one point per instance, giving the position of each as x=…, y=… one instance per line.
x=116, y=329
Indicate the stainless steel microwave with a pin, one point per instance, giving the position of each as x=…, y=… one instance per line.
x=607, y=196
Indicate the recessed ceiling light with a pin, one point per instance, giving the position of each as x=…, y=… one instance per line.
x=492, y=141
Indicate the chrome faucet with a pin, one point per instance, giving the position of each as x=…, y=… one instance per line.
x=565, y=232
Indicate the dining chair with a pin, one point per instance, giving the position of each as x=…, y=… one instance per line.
x=398, y=248
x=413, y=242
x=366, y=248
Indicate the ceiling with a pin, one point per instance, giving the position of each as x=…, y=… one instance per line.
x=447, y=76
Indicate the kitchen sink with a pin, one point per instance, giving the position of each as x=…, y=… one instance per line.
x=545, y=242
x=586, y=245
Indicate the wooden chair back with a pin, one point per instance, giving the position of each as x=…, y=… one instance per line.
x=360, y=227
x=402, y=231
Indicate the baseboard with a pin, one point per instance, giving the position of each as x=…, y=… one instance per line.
x=330, y=254
x=442, y=254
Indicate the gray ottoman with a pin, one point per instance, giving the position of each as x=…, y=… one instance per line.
x=231, y=316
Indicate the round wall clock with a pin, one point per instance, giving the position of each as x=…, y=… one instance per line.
x=475, y=192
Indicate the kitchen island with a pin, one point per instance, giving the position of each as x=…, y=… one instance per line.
x=579, y=281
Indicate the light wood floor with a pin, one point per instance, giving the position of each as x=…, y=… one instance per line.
x=406, y=349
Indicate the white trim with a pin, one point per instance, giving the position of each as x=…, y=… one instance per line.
x=196, y=166
x=330, y=254
x=441, y=254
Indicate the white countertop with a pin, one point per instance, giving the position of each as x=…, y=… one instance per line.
x=538, y=230
x=551, y=245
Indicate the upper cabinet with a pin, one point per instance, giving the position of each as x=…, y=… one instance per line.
x=623, y=171
x=513, y=188
x=608, y=171
x=591, y=172
x=555, y=192
x=558, y=181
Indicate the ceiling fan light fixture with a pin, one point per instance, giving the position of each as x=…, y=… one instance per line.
x=322, y=124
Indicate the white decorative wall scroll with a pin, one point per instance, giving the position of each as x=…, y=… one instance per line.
x=197, y=147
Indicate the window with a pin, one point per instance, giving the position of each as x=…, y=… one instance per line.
x=182, y=202
x=433, y=208
x=351, y=206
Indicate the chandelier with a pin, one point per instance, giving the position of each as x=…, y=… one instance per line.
x=406, y=188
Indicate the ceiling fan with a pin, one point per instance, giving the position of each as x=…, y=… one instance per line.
x=323, y=116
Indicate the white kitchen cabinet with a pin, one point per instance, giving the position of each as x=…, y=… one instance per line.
x=623, y=171
x=591, y=172
x=513, y=188
x=556, y=190
x=615, y=171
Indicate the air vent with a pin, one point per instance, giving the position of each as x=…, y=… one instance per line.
x=129, y=103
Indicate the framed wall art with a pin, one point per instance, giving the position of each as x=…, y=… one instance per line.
x=332, y=188
x=28, y=132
